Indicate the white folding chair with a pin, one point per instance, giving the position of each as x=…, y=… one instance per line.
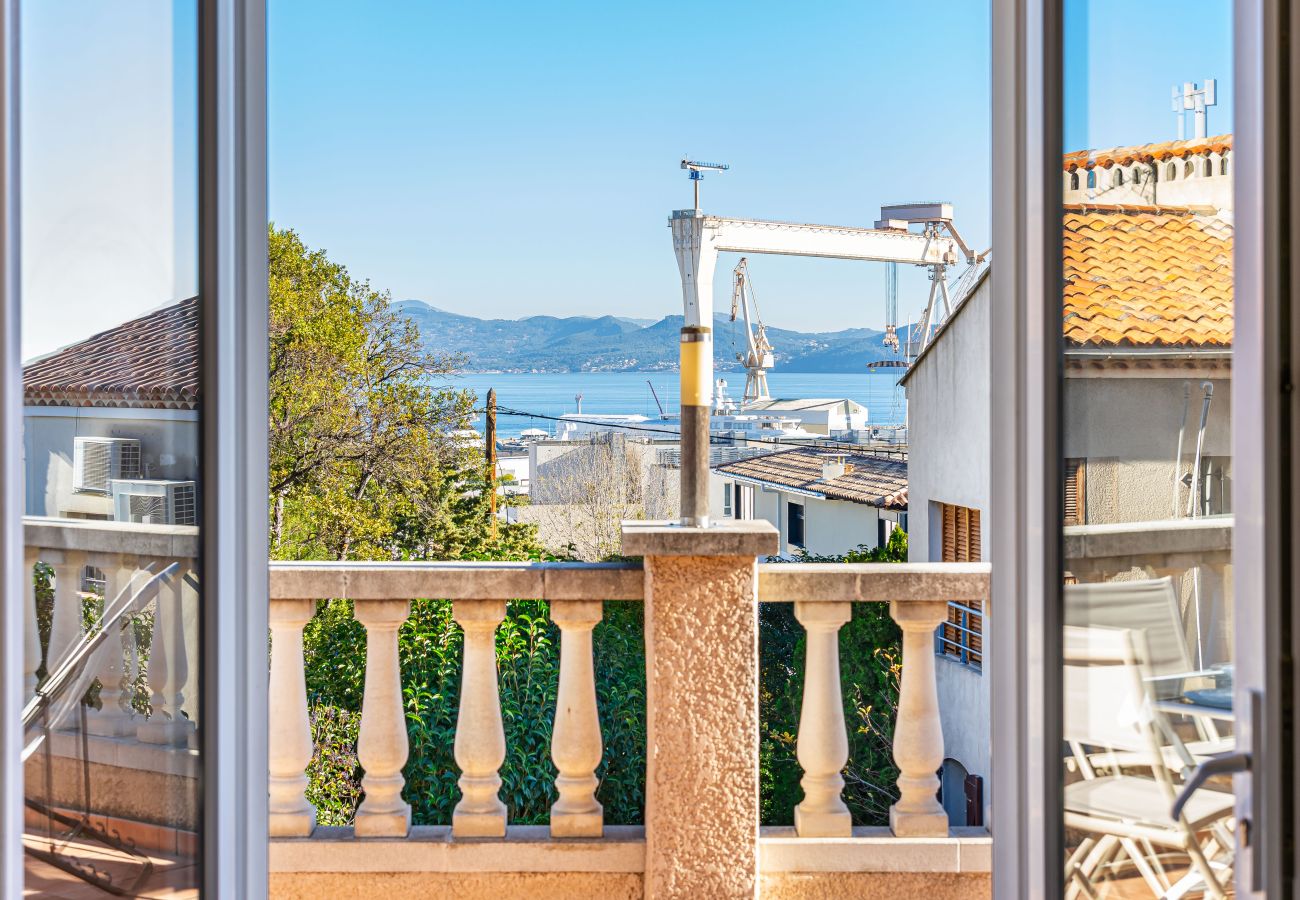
x=1150, y=606
x=1109, y=706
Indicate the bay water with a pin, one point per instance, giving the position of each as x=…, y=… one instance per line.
x=629, y=392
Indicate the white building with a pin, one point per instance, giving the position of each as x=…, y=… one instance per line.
x=137, y=382
x=1148, y=331
x=824, y=502
x=820, y=416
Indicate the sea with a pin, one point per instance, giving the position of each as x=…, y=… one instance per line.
x=544, y=395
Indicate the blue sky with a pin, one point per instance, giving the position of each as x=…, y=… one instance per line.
x=515, y=159
x=512, y=159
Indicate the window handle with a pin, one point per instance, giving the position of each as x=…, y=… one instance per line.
x=1223, y=764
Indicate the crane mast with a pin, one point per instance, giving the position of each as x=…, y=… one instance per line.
x=758, y=358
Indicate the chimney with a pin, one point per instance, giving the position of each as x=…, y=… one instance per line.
x=833, y=466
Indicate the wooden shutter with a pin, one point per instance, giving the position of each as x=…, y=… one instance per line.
x=1075, y=492
x=962, y=542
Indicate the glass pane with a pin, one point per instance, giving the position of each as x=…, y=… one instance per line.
x=1147, y=473
x=111, y=446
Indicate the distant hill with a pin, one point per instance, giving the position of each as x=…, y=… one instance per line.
x=617, y=344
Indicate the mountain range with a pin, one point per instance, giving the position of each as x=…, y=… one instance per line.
x=618, y=344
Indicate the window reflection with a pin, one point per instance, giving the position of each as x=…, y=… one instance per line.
x=1147, y=327
x=111, y=437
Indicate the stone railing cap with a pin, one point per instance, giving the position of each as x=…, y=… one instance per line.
x=754, y=537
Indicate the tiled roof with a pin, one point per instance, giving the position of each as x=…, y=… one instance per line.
x=1123, y=156
x=151, y=362
x=873, y=480
x=1147, y=276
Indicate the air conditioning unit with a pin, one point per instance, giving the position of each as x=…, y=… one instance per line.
x=97, y=461
x=155, y=502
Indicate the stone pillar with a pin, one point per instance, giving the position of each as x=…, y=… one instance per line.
x=480, y=745
x=67, y=624
x=382, y=746
x=289, y=813
x=918, y=734
x=823, y=748
x=168, y=668
x=109, y=661
x=701, y=633
x=576, y=744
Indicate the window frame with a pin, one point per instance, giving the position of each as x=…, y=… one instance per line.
x=233, y=288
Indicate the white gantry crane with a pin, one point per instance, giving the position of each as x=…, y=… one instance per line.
x=758, y=358
x=699, y=238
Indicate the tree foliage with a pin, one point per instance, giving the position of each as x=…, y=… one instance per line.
x=365, y=457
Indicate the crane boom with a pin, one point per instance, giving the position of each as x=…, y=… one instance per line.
x=759, y=357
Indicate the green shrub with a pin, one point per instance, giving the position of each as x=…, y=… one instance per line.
x=429, y=650
x=527, y=647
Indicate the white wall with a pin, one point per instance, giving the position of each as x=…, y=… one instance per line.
x=948, y=415
x=169, y=449
x=1127, y=430
x=831, y=527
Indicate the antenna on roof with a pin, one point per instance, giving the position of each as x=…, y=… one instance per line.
x=1196, y=99
x=697, y=174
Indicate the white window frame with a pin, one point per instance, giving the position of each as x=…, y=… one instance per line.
x=232, y=267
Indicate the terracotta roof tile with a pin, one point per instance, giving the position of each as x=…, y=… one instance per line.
x=1147, y=276
x=150, y=362
x=1123, y=156
x=872, y=480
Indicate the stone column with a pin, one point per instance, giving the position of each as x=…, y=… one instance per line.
x=67, y=623
x=918, y=734
x=382, y=746
x=480, y=745
x=823, y=748
x=701, y=633
x=576, y=744
x=289, y=813
x=168, y=668
x=109, y=661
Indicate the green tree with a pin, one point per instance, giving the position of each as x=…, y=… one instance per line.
x=365, y=457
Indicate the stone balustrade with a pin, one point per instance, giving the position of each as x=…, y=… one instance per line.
x=701, y=835
x=123, y=555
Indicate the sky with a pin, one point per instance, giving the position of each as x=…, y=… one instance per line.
x=509, y=160
x=513, y=159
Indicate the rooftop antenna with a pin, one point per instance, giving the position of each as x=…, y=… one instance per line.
x=697, y=170
x=1197, y=99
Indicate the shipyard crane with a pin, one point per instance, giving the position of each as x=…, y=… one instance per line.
x=699, y=238
x=758, y=357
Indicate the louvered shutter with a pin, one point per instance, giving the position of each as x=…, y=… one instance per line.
x=1075, y=513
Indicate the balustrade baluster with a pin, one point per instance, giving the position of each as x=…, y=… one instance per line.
x=168, y=669
x=480, y=746
x=31, y=629
x=382, y=746
x=291, y=815
x=823, y=748
x=67, y=623
x=918, y=735
x=109, y=664
x=576, y=741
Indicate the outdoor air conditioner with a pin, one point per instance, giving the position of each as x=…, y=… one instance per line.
x=97, y=461
x=155, y=502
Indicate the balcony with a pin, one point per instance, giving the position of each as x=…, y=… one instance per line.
x=700, y=835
